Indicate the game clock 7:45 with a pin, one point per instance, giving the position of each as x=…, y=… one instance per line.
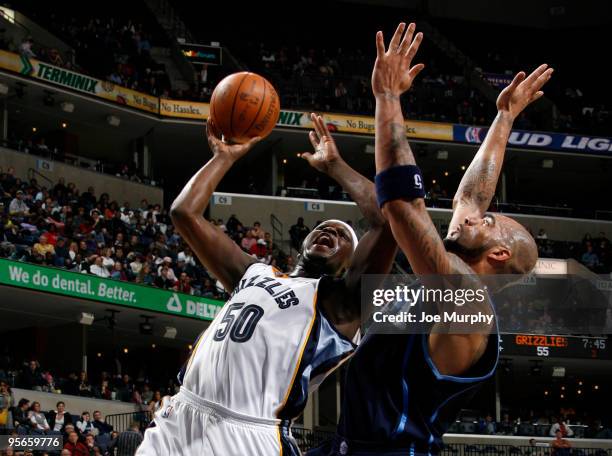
x=30, y=442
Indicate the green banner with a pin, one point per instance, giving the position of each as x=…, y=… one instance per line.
x=87, y=286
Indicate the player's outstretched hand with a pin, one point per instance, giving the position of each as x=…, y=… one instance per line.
x=229, y=151
x=523, y=90
x=326, y=153
x=393, y=71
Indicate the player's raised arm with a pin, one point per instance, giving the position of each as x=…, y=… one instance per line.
x=477, y=187
x=376, y=249
x=400, y=187
x=222, y=256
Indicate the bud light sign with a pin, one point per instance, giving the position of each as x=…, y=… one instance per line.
x=538, y=140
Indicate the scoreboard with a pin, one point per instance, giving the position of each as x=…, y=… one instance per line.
x=556, y=346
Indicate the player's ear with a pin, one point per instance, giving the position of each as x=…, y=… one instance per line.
x=499, y=254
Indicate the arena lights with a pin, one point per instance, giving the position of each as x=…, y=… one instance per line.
x=67, y=107
x=563, y=388
x=125, y=350
x=595, y=387
x=64, y=124
x=545, y=393
x=579, y=392
x=86, y=318
x=446, y=173
x=547, y=163
x=153, y=345
x=190, y=347
x=99, y=355
x=113, y=121
x=462, y=167
x=298, y=155
x=34, y=129
x=284, y=161
x=580, y=383
x=562, y=396
x=170, y=332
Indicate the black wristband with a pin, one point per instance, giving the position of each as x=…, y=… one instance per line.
x=399, y=182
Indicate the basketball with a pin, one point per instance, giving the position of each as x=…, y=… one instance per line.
x=244, y=105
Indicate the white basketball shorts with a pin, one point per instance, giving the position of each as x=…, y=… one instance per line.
x=188, y=425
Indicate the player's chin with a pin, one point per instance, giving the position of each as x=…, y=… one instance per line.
x=320, y=251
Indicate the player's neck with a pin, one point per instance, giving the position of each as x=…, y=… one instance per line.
x=311, y=268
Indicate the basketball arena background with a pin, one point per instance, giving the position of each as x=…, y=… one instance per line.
x=102, y=113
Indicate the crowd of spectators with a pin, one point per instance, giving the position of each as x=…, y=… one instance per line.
x=593, y=252
x=338, y=80
x=84, y=434
x=542, y=425
x=83, y=232
x=107, y=47
x=38, y=145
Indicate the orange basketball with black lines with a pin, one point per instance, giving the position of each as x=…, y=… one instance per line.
x=244, y=105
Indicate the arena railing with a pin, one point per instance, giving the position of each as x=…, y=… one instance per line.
x=122, y=421
x=312, y=438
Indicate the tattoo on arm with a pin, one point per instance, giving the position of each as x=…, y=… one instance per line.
x=479, y=183
x=399, y=143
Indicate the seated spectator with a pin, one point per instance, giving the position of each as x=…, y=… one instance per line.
x=98, y=269
x=128, y=441
x=125, y=389
x=487, y=426
x=248, y=241
x=59, y=418
x=560, y=446
x=90, y=443
x=31, y=377
x=118, y=273
x=21, y=421
x=6, y=404
x=506, y=426
x=155, y=403
x=18, y=208
x=257, y=231
x=76, y=448
x=102, y=426
x=145, y=276
x=164, y=279
x=183, y=285
x=147, y=393
x=590, y=258
x=42, y=247
x=85, y=425
x=83, y=386
x=105, y=391
x=61, y=252
x=38, y=421
x=260, y=250
x=560, y=426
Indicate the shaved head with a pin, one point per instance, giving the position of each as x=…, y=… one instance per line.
x=521, y=244
x=503, y=243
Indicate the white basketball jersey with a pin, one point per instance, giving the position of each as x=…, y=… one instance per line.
x=269, y=344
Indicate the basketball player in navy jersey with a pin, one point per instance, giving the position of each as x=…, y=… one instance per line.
x=278, y=335
x=403, y=391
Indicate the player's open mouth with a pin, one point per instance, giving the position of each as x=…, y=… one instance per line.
x=326, y=240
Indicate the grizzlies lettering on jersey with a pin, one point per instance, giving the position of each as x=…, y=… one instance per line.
x=267, y=347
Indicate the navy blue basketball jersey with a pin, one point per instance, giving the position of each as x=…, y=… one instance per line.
x=397, y=402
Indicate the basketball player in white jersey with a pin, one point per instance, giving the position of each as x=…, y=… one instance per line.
x=278, y=335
